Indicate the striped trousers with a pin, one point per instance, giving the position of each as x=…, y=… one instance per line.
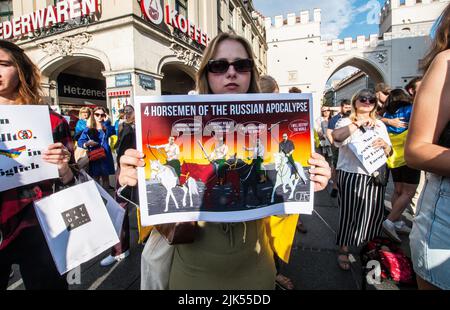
x=361, y=205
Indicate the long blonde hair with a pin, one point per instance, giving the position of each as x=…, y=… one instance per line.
x=84, y=110
x=29, y=90
x=354, y=114
x=210, y=51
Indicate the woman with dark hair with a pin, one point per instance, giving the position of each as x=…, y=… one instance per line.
x=224, y=255
x=95, y=136
x=21, y=239
x=406, y=179
x=360, y=198
x=428, y=148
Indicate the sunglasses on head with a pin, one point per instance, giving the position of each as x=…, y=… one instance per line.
x=100, y=114
x=364, y=99
x=221, y=66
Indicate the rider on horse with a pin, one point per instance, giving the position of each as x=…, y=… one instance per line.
x=287, y=147
x=258, y=158
x=218, y=156
x=173, y=154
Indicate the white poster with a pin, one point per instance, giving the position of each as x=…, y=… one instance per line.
x=76, y=224
x=371, y=158
x=25, y=131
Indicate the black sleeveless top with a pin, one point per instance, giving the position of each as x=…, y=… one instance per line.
x=445, y=137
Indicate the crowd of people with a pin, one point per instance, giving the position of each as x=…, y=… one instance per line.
x=410, y=126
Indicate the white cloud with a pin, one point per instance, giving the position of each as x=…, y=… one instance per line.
x=337, y=15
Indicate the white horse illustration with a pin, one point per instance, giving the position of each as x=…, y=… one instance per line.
x=285, y=176
x=168, y=178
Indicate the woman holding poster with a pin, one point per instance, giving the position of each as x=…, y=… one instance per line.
x=21, y=239
x=224, y=255
x=360, y=198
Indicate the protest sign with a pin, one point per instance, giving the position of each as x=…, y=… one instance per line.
x=371, y=158
x=22, y=139
x=226, y=160
x=76, y=225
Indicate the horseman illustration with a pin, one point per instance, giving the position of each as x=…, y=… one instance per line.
x=286, y=176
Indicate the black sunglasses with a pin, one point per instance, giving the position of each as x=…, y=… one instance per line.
x=221, y=66
x=100, y=114
x=371, y=100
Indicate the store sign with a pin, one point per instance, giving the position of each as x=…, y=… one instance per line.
x=146, y=81
x=73, y=86
x=48, y=17
x=152, y=10
x=120, y=93
x=123, y=80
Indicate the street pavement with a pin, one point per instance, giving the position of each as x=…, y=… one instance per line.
x=313, y=264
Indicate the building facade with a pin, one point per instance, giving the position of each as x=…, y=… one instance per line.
x=346, y=88
x=105, y=52
x=298, y=56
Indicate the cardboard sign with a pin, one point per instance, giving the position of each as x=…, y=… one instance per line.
x=371, y=158
x=22, y=140
x=76, y=225
x=226, y=160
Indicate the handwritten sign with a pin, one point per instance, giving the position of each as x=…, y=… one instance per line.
x=24, y=132
x=371, y=158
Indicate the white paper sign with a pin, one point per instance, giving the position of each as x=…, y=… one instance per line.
x=24, y=132
x=371, y=158
x=76, y=225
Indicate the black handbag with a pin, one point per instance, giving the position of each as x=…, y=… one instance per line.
x=381, y=176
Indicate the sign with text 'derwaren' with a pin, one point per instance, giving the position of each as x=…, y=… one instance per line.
x=25, y=131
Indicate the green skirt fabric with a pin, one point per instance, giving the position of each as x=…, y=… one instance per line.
x=225, y=257
x=175, y=164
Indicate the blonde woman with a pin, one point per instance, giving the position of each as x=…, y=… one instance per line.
x=361, y=201
x=224, y=255
x=83, y=117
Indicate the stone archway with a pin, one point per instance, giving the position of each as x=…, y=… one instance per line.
x=375, y=73
x=178, y=79
x=373, y=70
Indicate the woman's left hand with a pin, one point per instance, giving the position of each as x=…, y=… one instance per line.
x=59, y=155
x=379, y=143
x=321, y=173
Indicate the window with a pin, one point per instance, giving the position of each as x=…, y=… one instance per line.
x=231, y=22
x=219, y=15
x=292, y=76
x=6, y=11
x=181, y=6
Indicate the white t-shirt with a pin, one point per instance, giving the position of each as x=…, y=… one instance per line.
x=347, y=159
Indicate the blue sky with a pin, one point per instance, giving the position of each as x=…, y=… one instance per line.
x=340, y=18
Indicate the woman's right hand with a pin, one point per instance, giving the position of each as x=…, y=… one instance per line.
x=365, y=123
x=398, y=123
x=128, y=167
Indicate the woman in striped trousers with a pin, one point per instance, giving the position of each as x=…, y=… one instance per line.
x=360, y=199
